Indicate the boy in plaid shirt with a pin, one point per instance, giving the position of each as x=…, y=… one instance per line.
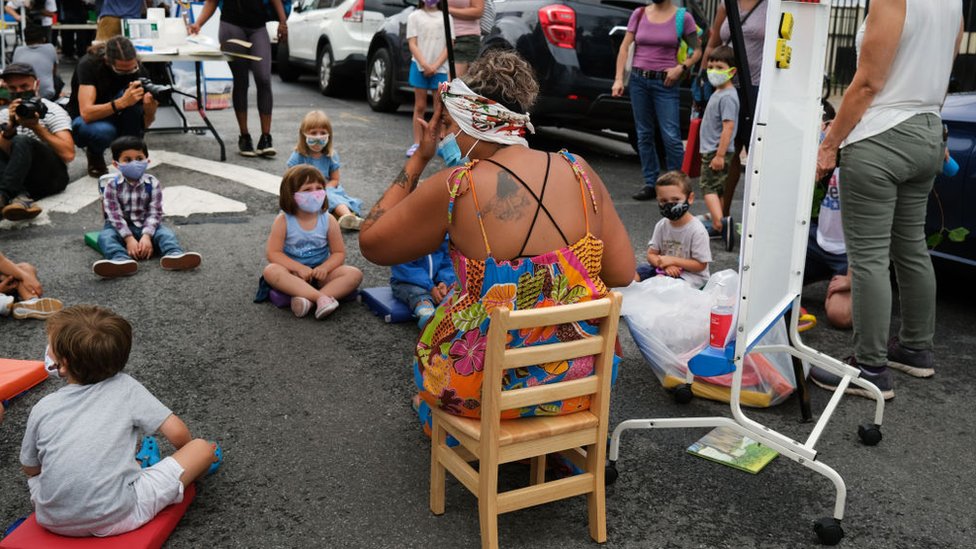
x=132, y=201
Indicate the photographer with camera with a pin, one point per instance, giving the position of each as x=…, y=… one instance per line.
x=35, y=145
x=109, y=99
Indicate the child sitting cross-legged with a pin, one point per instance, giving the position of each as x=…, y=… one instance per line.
x=132, y=201
x=423, y=283
x=679, y=245
x=79, y=445
x=306, y=253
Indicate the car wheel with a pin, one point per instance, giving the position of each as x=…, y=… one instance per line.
x=379, y=82
x=287, y=71
x=327, y=81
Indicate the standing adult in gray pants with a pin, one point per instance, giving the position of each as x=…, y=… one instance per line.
x=889, y=128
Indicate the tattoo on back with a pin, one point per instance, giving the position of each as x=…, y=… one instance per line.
x=510, y=201
x=406, y=180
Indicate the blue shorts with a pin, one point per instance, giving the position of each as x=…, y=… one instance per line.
x=821, y=264
x=418, y=80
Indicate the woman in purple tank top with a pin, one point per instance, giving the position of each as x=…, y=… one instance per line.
x=654, y=95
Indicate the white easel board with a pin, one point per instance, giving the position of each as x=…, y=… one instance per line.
x=780, y=172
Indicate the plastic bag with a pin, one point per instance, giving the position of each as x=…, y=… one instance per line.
x=668, y=320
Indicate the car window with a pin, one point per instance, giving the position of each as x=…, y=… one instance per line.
x=388, y=7
x=324, y=4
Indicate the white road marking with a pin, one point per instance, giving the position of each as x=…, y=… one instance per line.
x=185, y=201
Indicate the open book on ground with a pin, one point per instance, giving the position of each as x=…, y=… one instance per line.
x=728, y=447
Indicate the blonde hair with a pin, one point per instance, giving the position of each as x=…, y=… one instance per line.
x=503, y=76
x=314, y=120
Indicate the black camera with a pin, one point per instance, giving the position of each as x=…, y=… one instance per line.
x=31, y=107
x=159, y=92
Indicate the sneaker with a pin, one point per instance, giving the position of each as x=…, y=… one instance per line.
x=350, y=222
x=114, y=268
x=412, y=149
x=706, y=220
x=181, y=262
x=423, y=311
x=882, y=380
x=96, y=164
x=300, y=306
x=37, y=308
x=919, y=363
x=21, y=208
x=728, y=236
x=265, y=148
x=245, y=147
x=645, y=194
x=324, y=307
x=6, y=304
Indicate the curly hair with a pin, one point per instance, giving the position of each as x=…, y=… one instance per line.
x=503, y=76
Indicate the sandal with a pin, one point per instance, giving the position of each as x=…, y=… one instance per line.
x=149, y=452
x=220, y=460
x=806, y=321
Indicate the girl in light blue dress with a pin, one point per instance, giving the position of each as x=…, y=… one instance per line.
x=315, y=148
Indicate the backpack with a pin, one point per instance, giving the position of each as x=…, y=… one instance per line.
x=487, y=17
x=684, y=50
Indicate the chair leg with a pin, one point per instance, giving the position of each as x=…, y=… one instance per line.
x=488, y=504
x=596, y=501
x=437, y=471
x=537, y=470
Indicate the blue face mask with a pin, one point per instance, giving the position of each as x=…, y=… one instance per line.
x=134, y=169
x=449, y=150
x=316, y=143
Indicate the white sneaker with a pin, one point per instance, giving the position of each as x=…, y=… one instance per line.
x=6, y=303
x=114, y=268
x=350, y=222
x=181, y=262
x=37, y=308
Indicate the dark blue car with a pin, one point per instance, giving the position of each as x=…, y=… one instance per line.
x=951, y=221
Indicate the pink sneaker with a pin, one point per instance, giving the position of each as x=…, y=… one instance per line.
x=324, y=306
x=300, y=306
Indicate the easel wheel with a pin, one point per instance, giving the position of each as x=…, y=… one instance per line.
x=828, y=530
x=869, y=433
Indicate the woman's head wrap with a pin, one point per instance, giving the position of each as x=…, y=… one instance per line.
x=483, y=118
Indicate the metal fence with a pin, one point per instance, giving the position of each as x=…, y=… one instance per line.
x=846, y=17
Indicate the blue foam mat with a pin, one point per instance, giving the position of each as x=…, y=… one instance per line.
x=381, y=301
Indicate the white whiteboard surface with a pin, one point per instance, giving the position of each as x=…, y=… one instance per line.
x=780, y=171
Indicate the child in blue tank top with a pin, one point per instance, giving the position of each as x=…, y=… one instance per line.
x=315, y=147
x=305, y=250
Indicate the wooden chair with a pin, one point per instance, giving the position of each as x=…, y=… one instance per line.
x=581, y=436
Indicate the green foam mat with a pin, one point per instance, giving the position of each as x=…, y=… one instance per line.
x=91, y=240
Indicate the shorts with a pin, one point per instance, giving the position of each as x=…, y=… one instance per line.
x=108, y=26
x=711, y=181
x=418, y=80
x=466, y=48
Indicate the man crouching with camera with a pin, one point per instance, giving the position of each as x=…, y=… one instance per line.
x=109, y=100
x=35, y=145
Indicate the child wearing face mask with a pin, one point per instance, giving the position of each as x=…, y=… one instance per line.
x=132, y=202
x=718, y=127
x=315, y=147
x=679, y=245
x=305, y=250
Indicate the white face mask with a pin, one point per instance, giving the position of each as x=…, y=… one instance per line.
x=49, y=364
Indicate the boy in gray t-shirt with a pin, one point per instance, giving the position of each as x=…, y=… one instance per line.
x=718, y=128
x=79, y=445
x=679, y=245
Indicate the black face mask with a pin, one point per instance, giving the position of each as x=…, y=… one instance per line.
x=674, y=210
x=657, y=1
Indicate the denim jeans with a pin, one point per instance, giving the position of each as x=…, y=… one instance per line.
x=96, y=136
x=113, y=246
x=652, y=101
x=411, y=294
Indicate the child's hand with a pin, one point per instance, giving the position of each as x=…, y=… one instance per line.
x=132, y=247
x=663, y=261
x=439, y=292
x=717, y=163
x=145, y=247
x=429, y=71
x=31, y=285
x=304, y=273
x=320, y=273
x=673, y=271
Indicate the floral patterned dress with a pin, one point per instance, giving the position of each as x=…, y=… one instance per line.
x=449, y=358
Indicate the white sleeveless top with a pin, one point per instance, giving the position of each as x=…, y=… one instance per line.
x=919, y=74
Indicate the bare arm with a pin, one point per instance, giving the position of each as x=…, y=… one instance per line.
x=725, y=139
x=714, y=40
x=618, y=82
x=175, y=431
x=62, y=142
x=31, y=471
x=882, y=34
x=209, y=7
x=618, y=265
x=415, y=52
x=686, y=263
x=470, y=13
x=275, y=249
x=333, y=179
x=337, y=246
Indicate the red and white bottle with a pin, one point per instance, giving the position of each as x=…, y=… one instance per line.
x=721, y=321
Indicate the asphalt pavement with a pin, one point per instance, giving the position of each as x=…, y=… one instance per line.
x=322, y=448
